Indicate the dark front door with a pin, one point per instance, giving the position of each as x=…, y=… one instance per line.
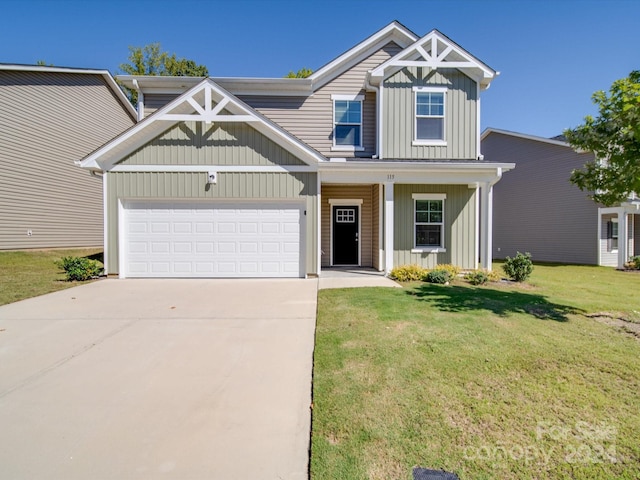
x=345, y=235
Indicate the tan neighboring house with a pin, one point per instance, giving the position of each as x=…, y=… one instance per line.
x=49, y=117
x=538, y=210
x=372, y=161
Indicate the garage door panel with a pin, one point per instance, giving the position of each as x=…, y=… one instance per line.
x=196, y=240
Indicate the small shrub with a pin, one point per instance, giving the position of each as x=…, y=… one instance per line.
x=79, y=268
x=519, y=267
x=407, y=273
x=477, y=277
x=452, y=269
x=438, y=275
x=633, y=263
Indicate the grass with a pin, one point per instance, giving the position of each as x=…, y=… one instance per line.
x=500, y=381
x=27, y=274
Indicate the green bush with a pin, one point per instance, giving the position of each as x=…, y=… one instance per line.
x=438, y=275
x=634, y=262
x=519, y=267
x=80, y=268
x=477, y=277
x=452, y=269
x=408, y=273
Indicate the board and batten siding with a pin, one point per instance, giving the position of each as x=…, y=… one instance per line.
x=459, y=226
x=311, y=118
x=47, y=121
x=230, y=186
x=352, y=192
x=536, y=208
x=194, y=143
x=461, y=122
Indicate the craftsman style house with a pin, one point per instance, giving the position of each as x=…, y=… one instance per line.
x=374, y=161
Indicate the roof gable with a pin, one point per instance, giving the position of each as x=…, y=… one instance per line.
x=394, y=32
x=435, y=50
x=206, y=102
x=551, y=141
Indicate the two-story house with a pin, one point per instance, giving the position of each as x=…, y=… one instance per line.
x=374, y=161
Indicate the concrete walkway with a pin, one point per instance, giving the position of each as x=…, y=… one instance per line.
x=353, y=278
x=181, y=379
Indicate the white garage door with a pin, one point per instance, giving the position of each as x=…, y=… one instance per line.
x=211, y=240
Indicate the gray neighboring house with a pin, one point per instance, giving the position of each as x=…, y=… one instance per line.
x=538, y=210
x=372, y=161
x=49, y=117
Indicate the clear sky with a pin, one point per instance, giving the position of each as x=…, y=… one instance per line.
x=552, y=55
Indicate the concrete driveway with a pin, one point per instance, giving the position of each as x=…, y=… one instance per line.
x=185, y=379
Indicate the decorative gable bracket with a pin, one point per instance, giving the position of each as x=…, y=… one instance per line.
x=206, y=103
x=434, y=51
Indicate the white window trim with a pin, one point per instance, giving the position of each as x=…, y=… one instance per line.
x=352, y=98
x=422, y=142
x=429, y=196
x=614, y=250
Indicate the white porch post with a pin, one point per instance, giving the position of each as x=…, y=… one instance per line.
x=388, y=227
x=623, y=238
x=486, y=225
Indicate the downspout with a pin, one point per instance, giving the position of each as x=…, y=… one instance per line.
x=368, y=86
x=140, y=100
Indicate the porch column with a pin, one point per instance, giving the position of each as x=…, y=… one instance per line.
x=486, y=225
x=388, y=227
x=623, y=238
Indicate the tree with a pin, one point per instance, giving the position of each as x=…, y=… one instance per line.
x=151, y=60
x=304, y=72
x=614, y=137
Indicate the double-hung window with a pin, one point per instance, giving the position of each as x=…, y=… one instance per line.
x=430, y=115
x=428, y=220
x=347, y=122
x=612, y=235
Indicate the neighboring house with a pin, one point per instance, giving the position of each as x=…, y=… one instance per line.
x=538, y=210
x=50, y=117
x=372, y=161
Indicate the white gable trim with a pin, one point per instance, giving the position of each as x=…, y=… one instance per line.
x=535, y=138
x=434, y=51
x=196, y=104
x=394, y=32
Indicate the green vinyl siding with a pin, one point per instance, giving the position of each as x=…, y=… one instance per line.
x=459, y=226
x=195, y=143
x=193, y=186
x=460, y=123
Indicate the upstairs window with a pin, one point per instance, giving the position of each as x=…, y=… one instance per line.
x=347, y=122
x=430, y=115
x=428, y=220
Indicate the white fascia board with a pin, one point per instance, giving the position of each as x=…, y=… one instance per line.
x=393, y=32
x=470, y=62
x=489, y=131
x=216, y=168
x=152, y=126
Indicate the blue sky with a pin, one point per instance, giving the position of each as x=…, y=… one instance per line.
x=552, y=55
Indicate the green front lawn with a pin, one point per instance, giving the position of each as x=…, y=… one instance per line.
x=28, y=274
x=497, y=382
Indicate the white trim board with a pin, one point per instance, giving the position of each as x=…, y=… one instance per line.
x=215, y=168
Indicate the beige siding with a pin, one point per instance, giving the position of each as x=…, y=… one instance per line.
x=193, y=186
x=399, y=115
x=535, y=207
x=311, y=119
x=48, y=121
x=154, y=101
x=193, y=143
x=354, y=192
x=459, y=224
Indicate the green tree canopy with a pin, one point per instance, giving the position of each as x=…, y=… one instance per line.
x=304, y=72
x=614, y=137
x=151, y=60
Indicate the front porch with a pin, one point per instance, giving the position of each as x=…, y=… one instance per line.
x=618, y=234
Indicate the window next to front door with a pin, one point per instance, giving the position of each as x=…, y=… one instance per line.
x=428, y=221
